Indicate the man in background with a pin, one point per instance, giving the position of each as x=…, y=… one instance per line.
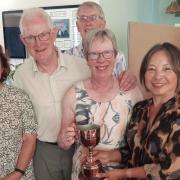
x=90, y=15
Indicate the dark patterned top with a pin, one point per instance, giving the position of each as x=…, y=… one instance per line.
x=16, y=119
x=157, y=149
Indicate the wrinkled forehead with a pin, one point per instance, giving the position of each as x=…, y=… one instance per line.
x=35, y=23
x=34, y=26
x=88, y=10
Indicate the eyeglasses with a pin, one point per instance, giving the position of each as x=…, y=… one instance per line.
x=89, y=18
x=96, y=55
x=44, y=36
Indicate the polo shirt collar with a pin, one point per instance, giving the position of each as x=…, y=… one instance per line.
x=34, y=65
x=61, y=62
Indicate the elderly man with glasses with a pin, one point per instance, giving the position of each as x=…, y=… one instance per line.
x=45, y=76
x=90, y=16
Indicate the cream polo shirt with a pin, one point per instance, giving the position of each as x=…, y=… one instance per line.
x=46, y=91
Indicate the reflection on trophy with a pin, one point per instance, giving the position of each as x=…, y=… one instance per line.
x=89, y=137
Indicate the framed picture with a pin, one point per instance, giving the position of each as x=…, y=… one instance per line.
x=63, y=18
x=63, y=26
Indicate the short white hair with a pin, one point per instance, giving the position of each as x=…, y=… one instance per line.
x=31, y=13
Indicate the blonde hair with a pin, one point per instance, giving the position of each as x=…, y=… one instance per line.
x=98, y=34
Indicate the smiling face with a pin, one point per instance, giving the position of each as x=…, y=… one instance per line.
x=84, y=26
x=101, y=58
x=41, y=50
x=160, y=79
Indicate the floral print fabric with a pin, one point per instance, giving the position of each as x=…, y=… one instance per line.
x=112, y=116
x=16, y=118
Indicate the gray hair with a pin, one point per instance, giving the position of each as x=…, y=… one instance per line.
x=98, y=34
x=32, y=13
x=93, y=5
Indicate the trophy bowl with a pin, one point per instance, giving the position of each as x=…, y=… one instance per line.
x=90, y=136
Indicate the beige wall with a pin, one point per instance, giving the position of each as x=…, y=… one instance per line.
x=141, y=37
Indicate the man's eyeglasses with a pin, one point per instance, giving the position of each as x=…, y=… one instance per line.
x=96, y=55
x=44, y=36
x=89, y=18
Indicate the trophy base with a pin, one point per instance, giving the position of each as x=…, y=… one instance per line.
x=81, y=177
x=88, y=171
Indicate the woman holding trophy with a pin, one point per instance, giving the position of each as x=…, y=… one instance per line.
x=97, y=100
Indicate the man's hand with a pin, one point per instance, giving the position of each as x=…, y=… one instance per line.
x=127, y=80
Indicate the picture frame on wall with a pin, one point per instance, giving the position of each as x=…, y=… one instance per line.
x=63, y=26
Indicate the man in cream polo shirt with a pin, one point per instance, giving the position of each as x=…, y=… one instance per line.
x=45, y=76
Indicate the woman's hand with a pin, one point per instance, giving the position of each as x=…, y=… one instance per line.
x=106, y=156
x=111, y=175
x=67, y=137
x=103, y=156
x=135, y=173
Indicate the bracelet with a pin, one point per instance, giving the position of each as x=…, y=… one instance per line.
x=19, y=170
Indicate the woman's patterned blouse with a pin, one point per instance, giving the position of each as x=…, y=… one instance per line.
x=112, y=116
x=16, y=119
x=156, y=149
